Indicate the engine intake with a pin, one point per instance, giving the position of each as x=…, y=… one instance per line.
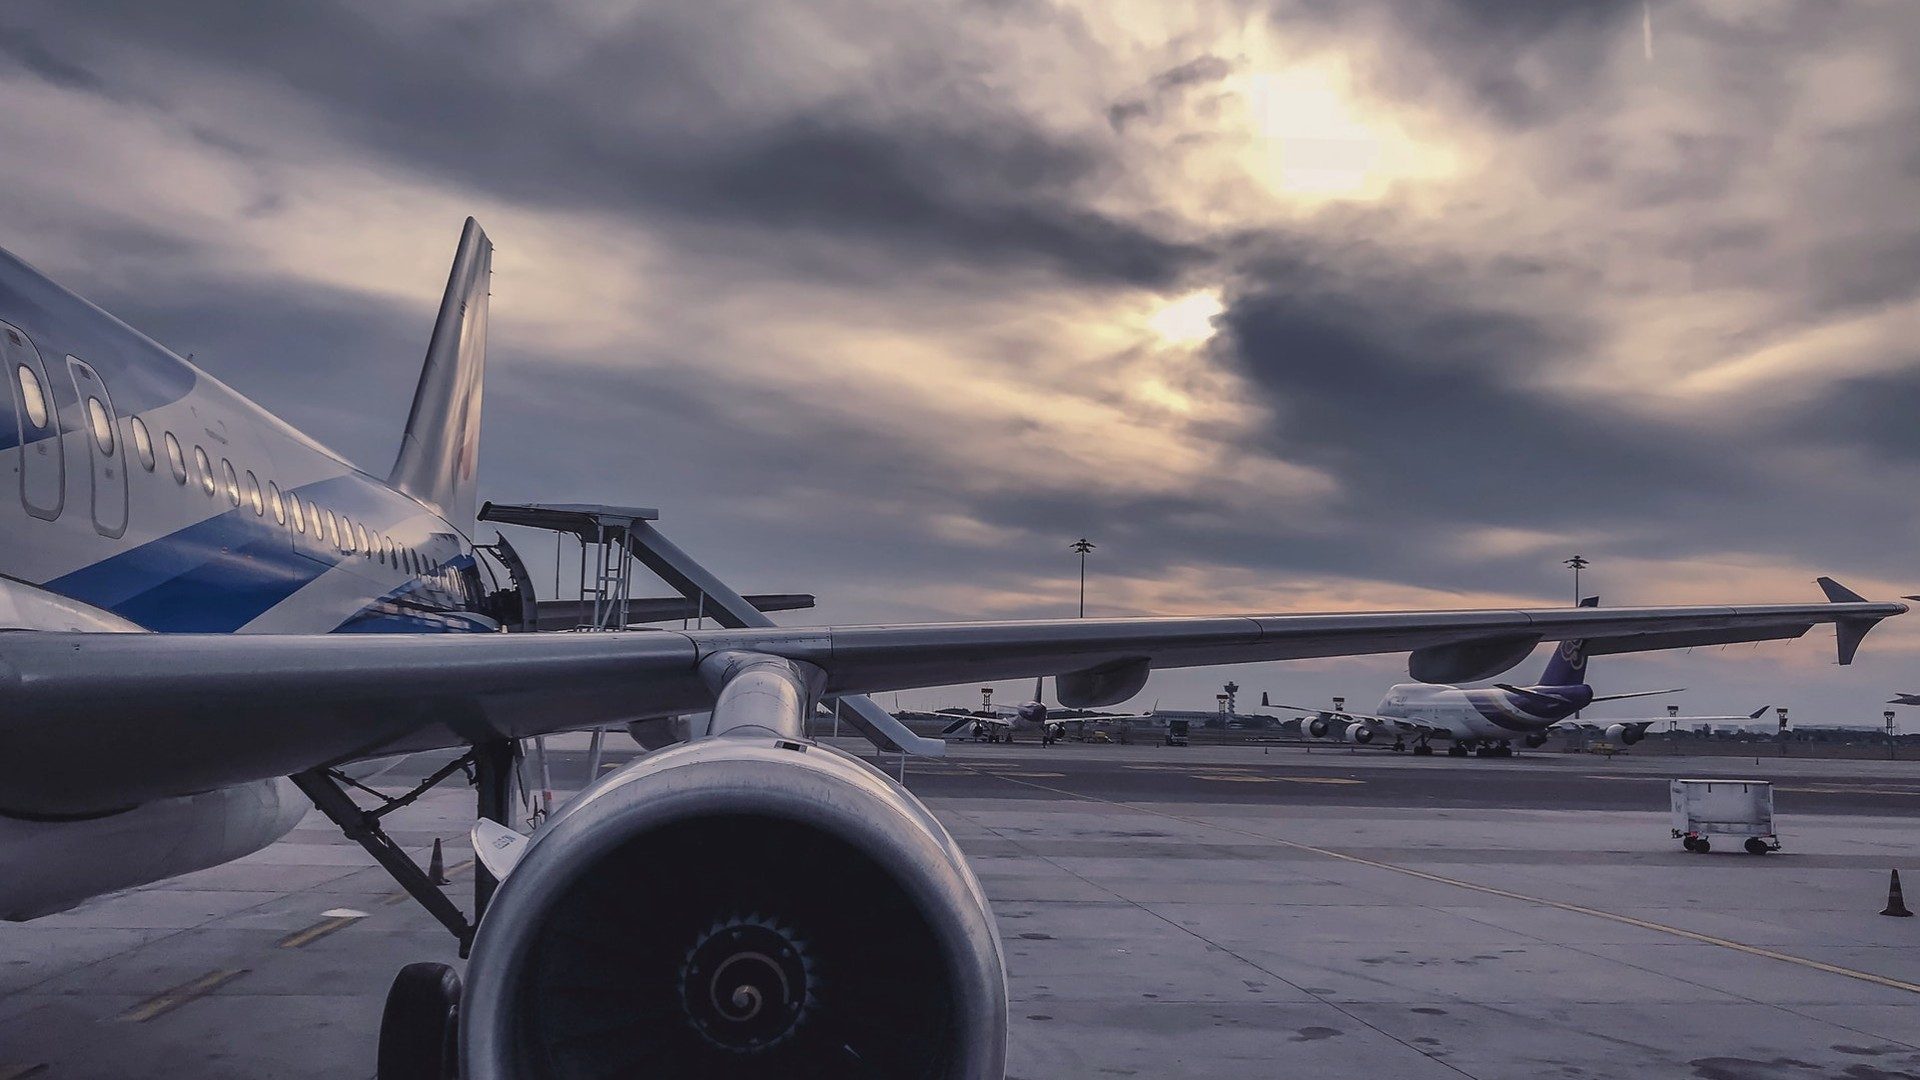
x=738, y=908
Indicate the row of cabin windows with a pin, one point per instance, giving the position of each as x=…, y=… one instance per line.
x=347, y=536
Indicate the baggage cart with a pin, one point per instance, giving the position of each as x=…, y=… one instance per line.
x=1742, y=809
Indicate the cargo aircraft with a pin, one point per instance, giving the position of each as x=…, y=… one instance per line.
x=210, y=615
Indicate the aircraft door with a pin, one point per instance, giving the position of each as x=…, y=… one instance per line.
x=43, y=454
x=104, y=450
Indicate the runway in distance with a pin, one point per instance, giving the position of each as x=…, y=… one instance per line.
x=210, y=612
x=1488, y=720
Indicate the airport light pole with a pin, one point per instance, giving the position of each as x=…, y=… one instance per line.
x=1578, y=563
x=1081, y=547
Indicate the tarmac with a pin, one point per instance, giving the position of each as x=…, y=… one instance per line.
x=1167, y=912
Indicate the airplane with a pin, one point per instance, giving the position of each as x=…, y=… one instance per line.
x=1901, y=697
x=1486, y=721
x=210, y=615
x=997, y=722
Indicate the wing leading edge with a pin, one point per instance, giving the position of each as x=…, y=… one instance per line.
x=99, y=721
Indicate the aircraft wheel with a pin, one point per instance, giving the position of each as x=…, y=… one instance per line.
x=1423, y=750
x=418, y=1028
x=1456, y=750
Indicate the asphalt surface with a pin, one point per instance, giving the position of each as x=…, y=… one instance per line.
x=1339, y=776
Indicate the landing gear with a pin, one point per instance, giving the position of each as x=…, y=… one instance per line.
x=1399, y=746
x=1459, y=749
x=1499, y=749
x=1423, y=749
x=419, y=1027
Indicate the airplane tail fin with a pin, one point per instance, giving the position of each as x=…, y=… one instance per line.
x=1568, y=664
x=438, y=453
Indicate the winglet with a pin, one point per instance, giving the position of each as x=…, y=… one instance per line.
x=1759, y=712
x=1848, y=632
x=1840, y=594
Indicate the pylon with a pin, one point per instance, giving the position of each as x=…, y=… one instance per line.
x=1896, y=903
x=437, y=868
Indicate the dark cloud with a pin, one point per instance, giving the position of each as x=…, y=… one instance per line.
x=638, y=119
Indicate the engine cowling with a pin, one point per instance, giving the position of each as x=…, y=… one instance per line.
x=1536, y=740
x=1359, y=733
x=743, y=908
x=1032, y=712
x=53, y=865
x=1319, y=726
x=1625, y=734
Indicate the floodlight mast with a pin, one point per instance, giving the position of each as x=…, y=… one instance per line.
x=1081, y=547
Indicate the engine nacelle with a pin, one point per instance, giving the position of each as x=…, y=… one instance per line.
x=1319, y=726
x=738, y=907
x=1032, y=712
x=1536, y=740
x=53, y=865
x=1625, y=734
x=1359, y=733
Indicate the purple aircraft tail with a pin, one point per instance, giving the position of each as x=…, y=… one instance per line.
x=1568, y=664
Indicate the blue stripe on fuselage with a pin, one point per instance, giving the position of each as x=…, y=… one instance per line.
x=220, y=574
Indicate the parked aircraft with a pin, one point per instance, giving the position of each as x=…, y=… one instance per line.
x=995, y=723
x=213, y=612
x=1487, y=720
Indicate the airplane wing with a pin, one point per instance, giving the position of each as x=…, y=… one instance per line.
x=97, y=721
x=976, y=721
x=1522, y=691
x=1393, y=723
x=1603, y=723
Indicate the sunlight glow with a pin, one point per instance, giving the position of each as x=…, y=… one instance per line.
x=1312, y=139
x=1189, y=319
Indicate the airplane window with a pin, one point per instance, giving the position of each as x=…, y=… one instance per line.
x=175, y=459
x=254, y=496
x=346, y=534
x=298, y=515
x=279, y=508
x=313, y=519
x=142, y=442
x=233, y=482
x=34, y=397
x=333, y=529
x=102, y=426
x=203, y=467
x=360, y=534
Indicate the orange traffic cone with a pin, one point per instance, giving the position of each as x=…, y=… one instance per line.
x=437, y=868
x=1896, y=903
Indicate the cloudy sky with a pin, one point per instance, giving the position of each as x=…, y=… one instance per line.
x=1302, y=305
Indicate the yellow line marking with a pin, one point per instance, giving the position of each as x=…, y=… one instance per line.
x=1507, y=894
x=1238, y=778
x=1321, y=780
x=168, y=1000
x=318, y=930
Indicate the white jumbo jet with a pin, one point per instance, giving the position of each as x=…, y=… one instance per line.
x=210, y=614
x=1486, y=721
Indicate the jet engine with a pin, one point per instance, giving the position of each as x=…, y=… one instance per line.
x=54, y=864
x=1319, y=726
x=1625, y=734
x=1536, y=740
x=1359, y=733
x=738, y=908
x=1032, y=712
